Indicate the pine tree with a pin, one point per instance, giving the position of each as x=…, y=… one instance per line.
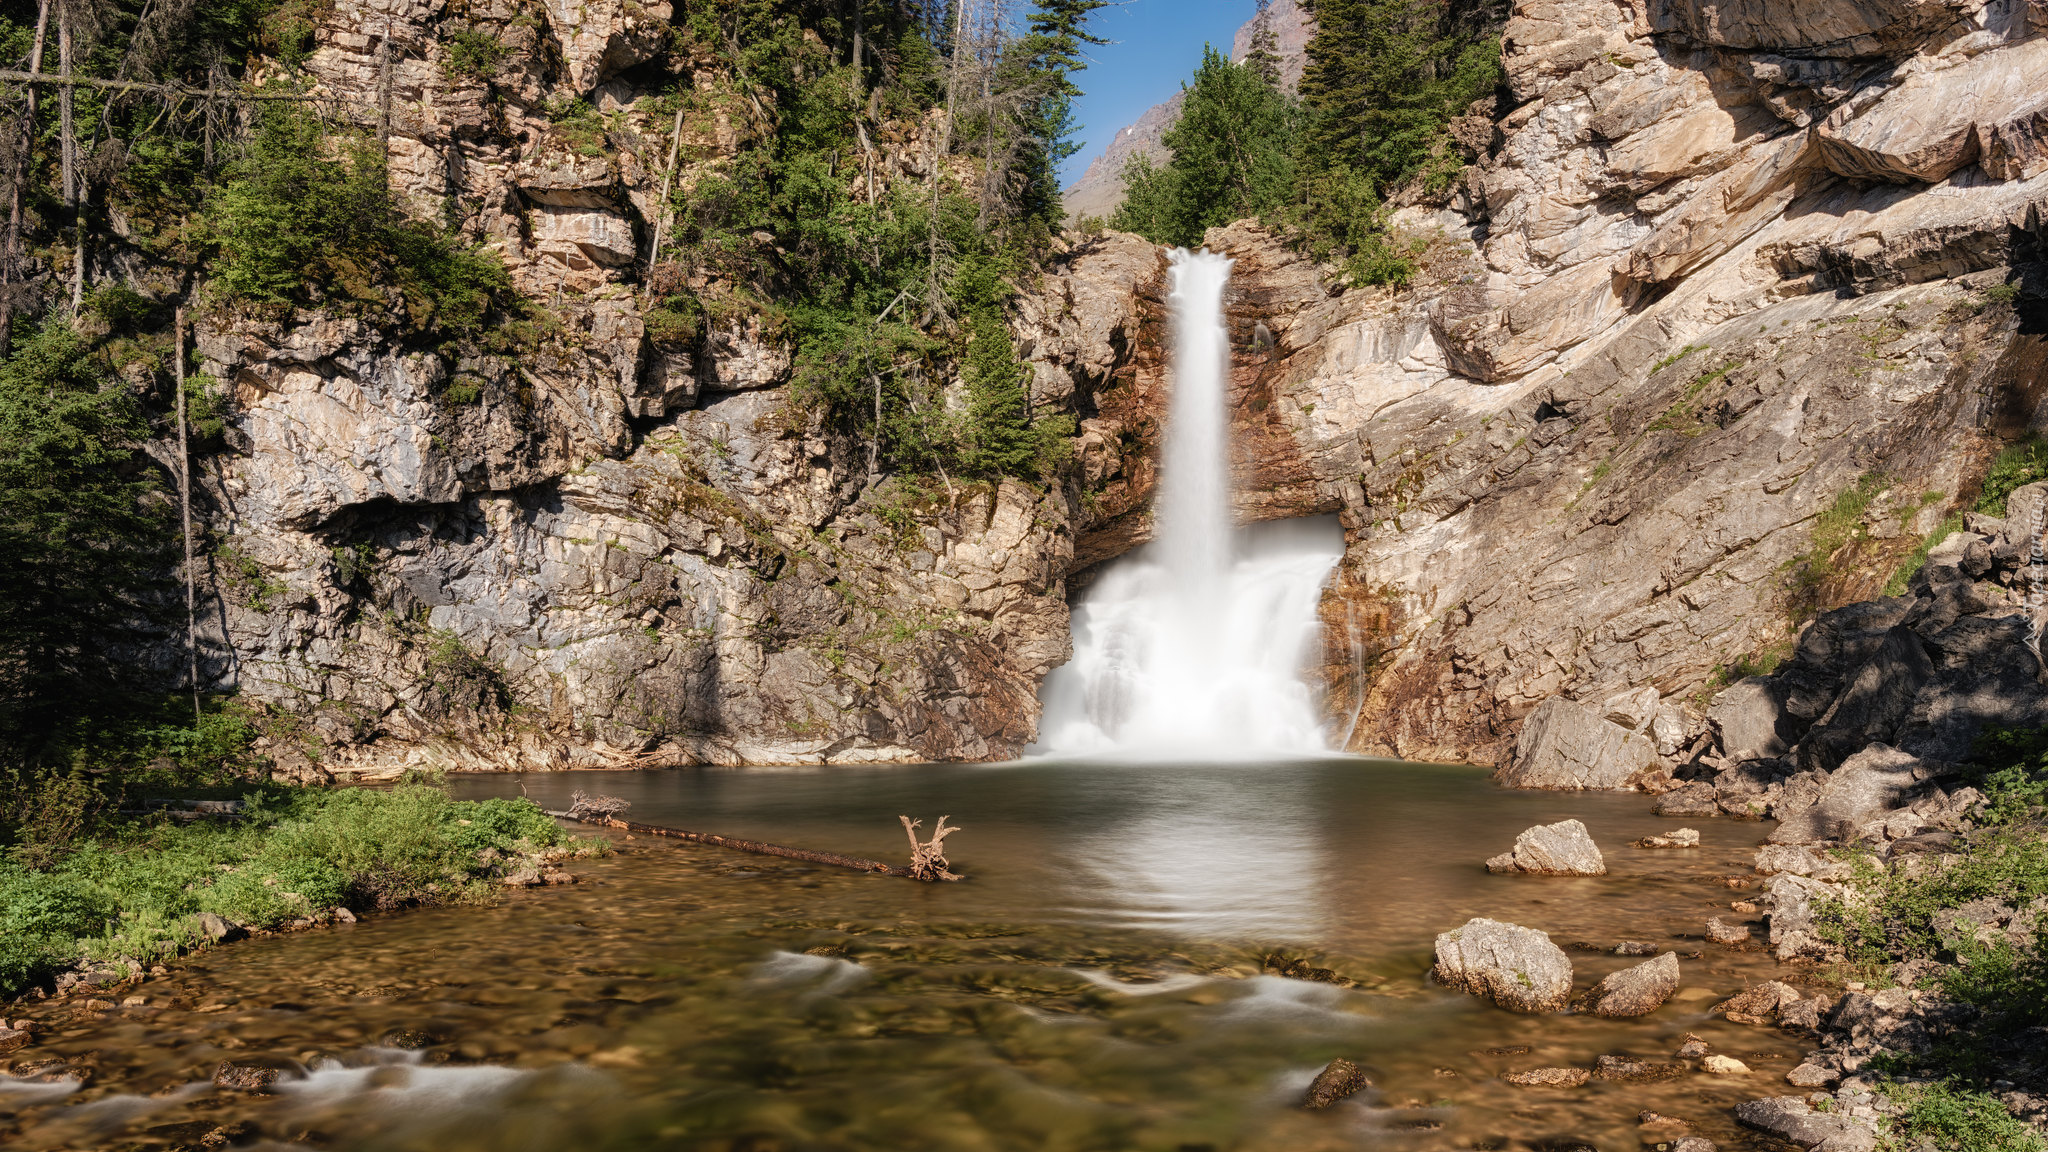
x=1384, y=77
x=1232, y=157
x=1052, y=47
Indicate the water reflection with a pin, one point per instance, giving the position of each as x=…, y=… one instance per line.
x=1211, y=856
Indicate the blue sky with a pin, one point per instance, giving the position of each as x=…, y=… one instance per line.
x=1157, y=45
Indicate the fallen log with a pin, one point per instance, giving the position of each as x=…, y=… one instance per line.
x=833, y=859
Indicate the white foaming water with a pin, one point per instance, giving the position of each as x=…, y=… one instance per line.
x=1194, y=647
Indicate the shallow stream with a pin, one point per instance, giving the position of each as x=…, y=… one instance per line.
x=1104, y=980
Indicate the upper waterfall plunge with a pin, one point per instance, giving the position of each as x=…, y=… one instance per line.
x=1194, y=646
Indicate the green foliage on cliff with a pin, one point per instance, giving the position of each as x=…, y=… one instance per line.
x=1386, y=77
x=307, y=217
x=1384, y=81
x=887, y=287
x=1233, y=157
x=134, y=889
x=2016, y=467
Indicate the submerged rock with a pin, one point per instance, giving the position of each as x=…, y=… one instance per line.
x=1680, y=838
x=1340, y=1079
x=1629, y=1068
x=1549, y=1077
x=1517, y=968
x=1634, y=991
x=1561, y=849
x=246, y=1076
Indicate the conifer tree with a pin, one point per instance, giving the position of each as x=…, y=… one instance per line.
x=1232, y=157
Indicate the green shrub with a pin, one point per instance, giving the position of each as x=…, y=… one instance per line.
x=463, y=391
x=1956, y=1119
x=474, y=54
x=307, y=219
x=2016, y=467
x=135, y=889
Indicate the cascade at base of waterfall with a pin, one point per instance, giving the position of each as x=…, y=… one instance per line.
x=1194, y=646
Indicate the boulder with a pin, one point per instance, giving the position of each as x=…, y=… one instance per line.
x=1773, y=859
x=1565, y=746
x=1811, y=1075
x=1561, y=849
x=1750, y=715
x=1867, y=785
x=1791, y=917
x=1793, y=1120
x=1722, y=932
x=216, y=928
x=1758, y=1003
x=1700, y=799
x=14, y=1039
x=1634, y=991
x=1695, y=1144
x=1339, y=1079
x=1517, y=968
x=1678, y=838
x=1873, y=706
x=1723, y=1066
x=1549, y=1077
x=1631, y=710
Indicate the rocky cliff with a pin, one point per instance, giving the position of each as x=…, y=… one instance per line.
x=1720, y=326
x=1714, y=332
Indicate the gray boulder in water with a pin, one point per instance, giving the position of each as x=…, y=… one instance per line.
x=1561, y=849
x=1517, y=968
x=1634, y=991
x=1565, y=746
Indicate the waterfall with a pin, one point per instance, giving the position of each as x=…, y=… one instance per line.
x=1194, y=646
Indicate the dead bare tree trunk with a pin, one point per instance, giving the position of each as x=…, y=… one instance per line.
x=384, y=93
x=10, y=259
x=945, y=148
x=69, y=136
x=988, y=108
x=185, y=509
x=675, y=151
x=928, y=859
x=755, y=846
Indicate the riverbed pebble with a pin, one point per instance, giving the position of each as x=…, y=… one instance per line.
x=1339, y=1079
x=1549, y=1077
x=1630, y=1068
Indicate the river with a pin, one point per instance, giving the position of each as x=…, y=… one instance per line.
x=1105, y=978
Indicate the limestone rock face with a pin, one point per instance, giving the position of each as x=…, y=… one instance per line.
x=1565, y=746
x=1561, y=849
x=1635, y=991
x=1517, y=968
x=1989, y=110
